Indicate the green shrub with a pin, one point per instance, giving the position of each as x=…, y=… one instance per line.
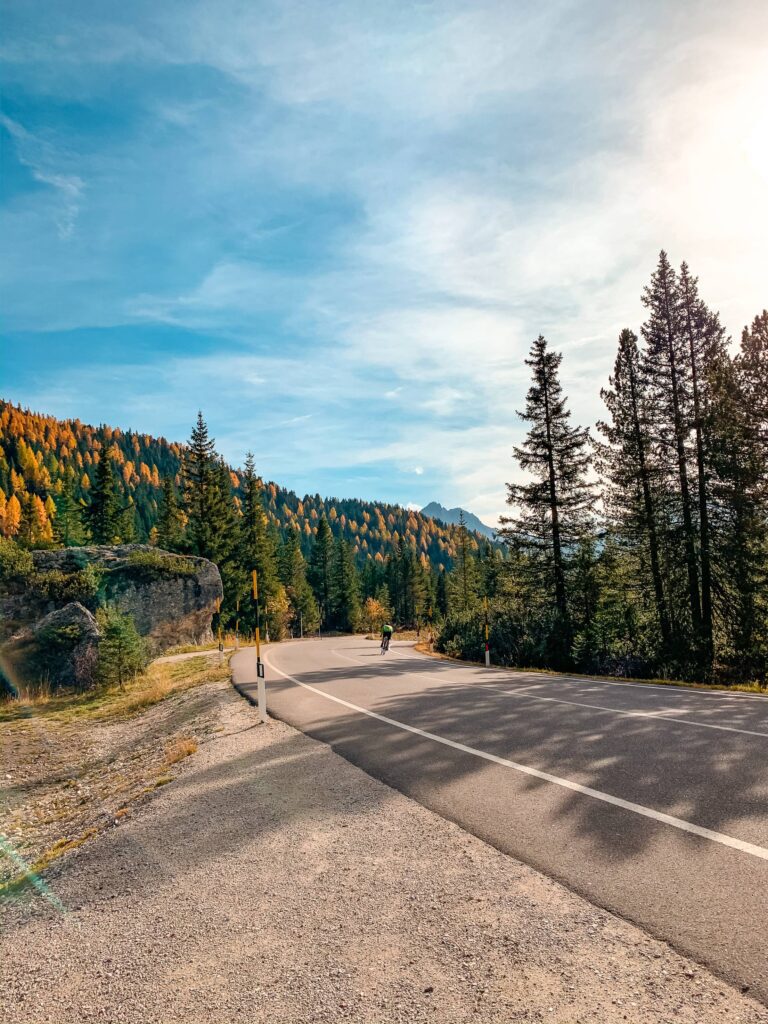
x=56, y=585
x=16, y=564
x=147, y=566
x=122, y=652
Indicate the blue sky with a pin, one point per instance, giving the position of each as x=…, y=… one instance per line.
x=336, y=227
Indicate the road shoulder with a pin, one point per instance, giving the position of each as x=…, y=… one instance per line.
x=273, y=880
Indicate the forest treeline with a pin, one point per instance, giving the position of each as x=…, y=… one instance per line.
x=49, y=466
x=639, y=549
x=336, y=563
x=642, y=550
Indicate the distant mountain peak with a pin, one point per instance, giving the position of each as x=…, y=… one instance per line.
x=451, y=515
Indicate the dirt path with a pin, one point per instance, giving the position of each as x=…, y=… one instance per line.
x=273, y=881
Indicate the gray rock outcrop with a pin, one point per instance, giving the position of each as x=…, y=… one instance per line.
x=49, y=618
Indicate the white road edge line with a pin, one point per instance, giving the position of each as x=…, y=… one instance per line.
x=575, y=787
x=578, y=704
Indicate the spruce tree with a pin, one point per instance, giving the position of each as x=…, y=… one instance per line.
x=627, y=464
x=667, y=374
x=256, y=548
x=293, y=574
x=464, y=579
x=122, y=652
x=201, y=490
x=706, y=348
x=169, y=518
x=102, y=513
x=739, y=491
x=345, y=592
x=320, y=565
x=554, y=508
x=68, y=526
x=752, y=363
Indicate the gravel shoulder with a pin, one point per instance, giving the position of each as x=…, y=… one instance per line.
x=274, y=881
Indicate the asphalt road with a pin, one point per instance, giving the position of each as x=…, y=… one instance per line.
x=650, y=801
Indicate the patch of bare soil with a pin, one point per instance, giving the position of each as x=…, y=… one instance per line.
x=64, y=781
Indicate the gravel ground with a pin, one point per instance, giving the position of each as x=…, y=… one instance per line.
x=273, y=881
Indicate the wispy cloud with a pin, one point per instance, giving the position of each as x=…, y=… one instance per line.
x=44, y=163
x=355, y=218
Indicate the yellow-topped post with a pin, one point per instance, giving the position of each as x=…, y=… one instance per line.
x=261, y=688
x=487, y=644
x=218, y=632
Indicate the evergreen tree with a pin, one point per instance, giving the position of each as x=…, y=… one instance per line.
x=626, y=462
x=169, y=518
x=201, y=491
x=464, y=581
x=122, y=652
x=345, y=593
x=68, y=529
x=102, y=513
x=554, y=508
x=256, y=549
x=320, y=566
x=293, y=574
x=225, y=539
x=739, y=492
x=752, y=364
x=667, y=373
x=706, y=348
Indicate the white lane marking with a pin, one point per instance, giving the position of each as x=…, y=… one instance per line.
x=575, y=787
x=597, y=707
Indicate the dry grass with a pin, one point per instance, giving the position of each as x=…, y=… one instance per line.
x=159, y=682
x=80, y=762
x=228, y=640
x=183, y=747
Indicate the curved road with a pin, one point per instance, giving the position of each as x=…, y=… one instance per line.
x=650, y=801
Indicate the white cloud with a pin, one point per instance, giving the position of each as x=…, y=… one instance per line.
x=507, y=170
x=44, y=162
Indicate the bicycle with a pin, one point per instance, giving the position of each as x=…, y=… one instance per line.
x=385, y=644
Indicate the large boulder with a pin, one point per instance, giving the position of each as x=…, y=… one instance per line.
x=70, y=635
x=171, y=598
x=47, y=621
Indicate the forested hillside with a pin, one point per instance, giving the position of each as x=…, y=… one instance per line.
x=47, y=464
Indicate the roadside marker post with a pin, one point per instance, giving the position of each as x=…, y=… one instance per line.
x=261, y=688
x=487, y=645
x=218, y=632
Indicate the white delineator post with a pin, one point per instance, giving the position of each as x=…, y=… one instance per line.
x=261, y=687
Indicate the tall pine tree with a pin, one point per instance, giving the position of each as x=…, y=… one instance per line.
x=667, y=374
x=345, y=592
x=169, y=518
x=201, y=492
x=102, y=513
x=320, y=566
x=554, y=508
x=627, y=463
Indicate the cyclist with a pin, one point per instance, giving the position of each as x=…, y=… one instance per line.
x=386, y=636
